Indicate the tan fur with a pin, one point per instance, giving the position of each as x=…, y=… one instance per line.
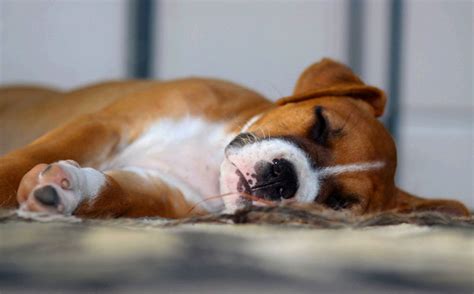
x=120, y=114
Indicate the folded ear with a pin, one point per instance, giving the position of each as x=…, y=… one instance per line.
x=406, y=203
x=330, y=78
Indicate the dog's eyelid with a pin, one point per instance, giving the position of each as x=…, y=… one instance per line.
x=320, y=130
x=336, y=133
x=339, y=201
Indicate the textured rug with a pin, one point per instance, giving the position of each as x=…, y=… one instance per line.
x=261, y=249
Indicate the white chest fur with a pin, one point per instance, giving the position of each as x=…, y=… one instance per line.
x=187, y=152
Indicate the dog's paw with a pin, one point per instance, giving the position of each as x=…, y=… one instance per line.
x=58, y=188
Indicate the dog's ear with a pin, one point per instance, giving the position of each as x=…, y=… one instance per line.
x=330, y=78
x=406, y=203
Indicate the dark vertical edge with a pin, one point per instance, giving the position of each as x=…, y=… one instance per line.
x=356, y=35
x=394, y=68
x=141, y=33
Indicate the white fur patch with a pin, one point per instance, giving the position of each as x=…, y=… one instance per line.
x=250, y=122
x=349, y=168
x=186, y=152
x=228, y=181
x=177, y=183
x=87, y=181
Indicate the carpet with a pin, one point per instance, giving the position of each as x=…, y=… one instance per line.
x=260, y=249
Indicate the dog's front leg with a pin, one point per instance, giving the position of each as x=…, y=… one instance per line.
x=89, y=140
x=65, y=187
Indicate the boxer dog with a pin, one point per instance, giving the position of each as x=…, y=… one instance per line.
x=196, y=146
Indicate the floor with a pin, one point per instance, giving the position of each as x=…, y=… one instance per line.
x=154, y=255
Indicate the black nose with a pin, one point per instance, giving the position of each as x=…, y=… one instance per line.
x=47, y=195
x=274, y=180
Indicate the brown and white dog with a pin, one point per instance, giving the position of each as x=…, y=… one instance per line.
x=196, y=146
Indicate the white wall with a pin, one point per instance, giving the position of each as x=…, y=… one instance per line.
x=262, y=44
x=265, y=45
x=62, y=43
x=436, y=151
x=375, y=39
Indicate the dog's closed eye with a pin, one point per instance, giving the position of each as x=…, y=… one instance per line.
x=322, y=130
x=339, y=201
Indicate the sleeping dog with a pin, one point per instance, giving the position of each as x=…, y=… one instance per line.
x=197, y=146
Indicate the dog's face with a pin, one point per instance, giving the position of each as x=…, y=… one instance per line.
x=329, y=150
x=323, y=145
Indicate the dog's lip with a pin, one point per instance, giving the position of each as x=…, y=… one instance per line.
x=244, y=180
x=241, y=176
x=243, y=201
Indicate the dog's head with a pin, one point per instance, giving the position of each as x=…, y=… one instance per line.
x=323, y=144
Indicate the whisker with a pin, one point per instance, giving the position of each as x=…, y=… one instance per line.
x=256, y=198
x=242, y=194
x=207, y=199
x=255, y=138
x=265, y=136
x=255, y=133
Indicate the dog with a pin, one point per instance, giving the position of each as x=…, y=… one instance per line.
x=197, y=146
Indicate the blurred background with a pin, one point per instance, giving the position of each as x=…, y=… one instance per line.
x=419, y=52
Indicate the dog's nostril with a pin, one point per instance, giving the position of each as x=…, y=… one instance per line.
x=282, y=192
x=47, y=195
x=277, y=167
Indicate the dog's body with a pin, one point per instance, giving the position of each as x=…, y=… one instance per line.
x=194, y=146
